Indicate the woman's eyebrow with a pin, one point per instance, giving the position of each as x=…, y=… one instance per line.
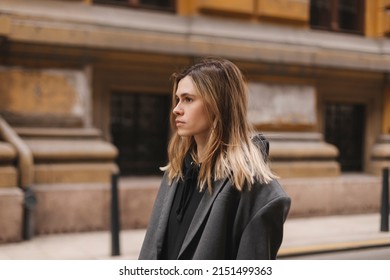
x=185, y=94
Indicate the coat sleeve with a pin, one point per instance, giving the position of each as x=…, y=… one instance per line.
x=263, y=235
x=149, y=249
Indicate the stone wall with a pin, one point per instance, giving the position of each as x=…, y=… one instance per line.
x=45, y=97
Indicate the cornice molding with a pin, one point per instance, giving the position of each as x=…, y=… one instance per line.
x=77, y=24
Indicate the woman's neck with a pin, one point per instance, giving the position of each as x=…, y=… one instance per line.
x=200, y=148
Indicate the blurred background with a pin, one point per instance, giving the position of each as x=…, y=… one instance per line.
x=85, y=92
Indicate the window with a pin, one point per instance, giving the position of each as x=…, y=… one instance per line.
x=164, y=5
x=344, y=128
x=337, y=15
x=139, y=128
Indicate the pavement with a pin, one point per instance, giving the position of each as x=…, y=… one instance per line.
x=302, y=236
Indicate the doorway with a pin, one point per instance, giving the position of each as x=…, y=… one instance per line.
x=344, y=128
x=139, y=129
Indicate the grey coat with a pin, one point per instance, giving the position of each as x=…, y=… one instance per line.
x=227, y=224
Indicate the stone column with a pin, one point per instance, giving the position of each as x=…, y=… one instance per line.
x=381, y=149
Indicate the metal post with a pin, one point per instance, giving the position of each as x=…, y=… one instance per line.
x=29, y=204
x=385, y=200
x=115, y=223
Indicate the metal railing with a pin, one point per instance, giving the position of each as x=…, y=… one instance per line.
x=25, y=175
x=115, y=215
x=385, y=200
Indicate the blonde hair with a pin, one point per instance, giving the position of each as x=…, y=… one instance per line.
x=229, y=153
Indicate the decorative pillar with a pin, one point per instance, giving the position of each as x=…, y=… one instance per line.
x=381, y=149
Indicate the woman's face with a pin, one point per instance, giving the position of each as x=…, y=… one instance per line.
x=191, y=116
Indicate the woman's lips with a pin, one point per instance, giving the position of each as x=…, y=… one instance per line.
x=179, y=123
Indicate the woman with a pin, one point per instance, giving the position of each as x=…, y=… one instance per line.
x=218, y=198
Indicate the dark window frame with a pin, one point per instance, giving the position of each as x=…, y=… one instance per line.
x=138, y=4
x=334, y=20
x=139, y=128
x=345, y=128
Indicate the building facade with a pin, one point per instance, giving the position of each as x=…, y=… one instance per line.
x=85, y=91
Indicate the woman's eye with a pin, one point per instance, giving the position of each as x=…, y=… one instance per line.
x=188, y=100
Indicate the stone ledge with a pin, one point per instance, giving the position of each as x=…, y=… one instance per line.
x=299, y=145
x=302, y=150
x=302, y=154
x=302, y=169
x=44, y=132
x=293, y=136
x=16, y=119
x=71, y=150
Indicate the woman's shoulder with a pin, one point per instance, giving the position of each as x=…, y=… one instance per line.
x=260, y=195
x=271, y=189
x=257, y=189
x=261, y=198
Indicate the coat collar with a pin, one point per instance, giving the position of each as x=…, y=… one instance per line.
x=199, y=216
x=201, y=213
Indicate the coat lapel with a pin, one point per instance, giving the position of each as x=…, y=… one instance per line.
x=201, y=213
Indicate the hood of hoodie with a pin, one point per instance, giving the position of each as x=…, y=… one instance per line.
x=262, y=143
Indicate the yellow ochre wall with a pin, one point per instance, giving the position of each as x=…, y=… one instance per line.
x=292, y=12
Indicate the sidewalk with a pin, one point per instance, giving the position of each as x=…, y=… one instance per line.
x=302, y=236
x=332, y=233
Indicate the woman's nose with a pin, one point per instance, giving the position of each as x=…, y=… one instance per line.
x=178, y=110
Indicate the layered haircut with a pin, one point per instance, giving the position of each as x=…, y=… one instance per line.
x=229, y=153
